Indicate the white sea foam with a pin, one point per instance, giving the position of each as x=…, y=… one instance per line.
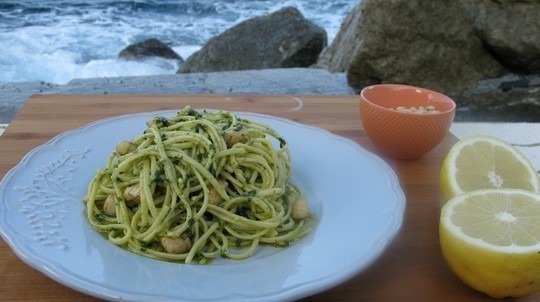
x=56, y=42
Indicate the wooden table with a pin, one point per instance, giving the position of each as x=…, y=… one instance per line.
x=411, y=268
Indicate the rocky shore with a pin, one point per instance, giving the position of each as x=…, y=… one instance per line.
x=484, y=54
x=268, y=81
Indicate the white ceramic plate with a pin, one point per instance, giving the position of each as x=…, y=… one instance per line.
x=355, y=195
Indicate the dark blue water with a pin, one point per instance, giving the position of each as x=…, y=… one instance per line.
x=56, y=41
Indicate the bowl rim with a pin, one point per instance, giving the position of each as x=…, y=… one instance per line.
x=445, y=112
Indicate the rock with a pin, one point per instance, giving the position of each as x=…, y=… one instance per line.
x=423, y=43
x=286, y=81
x=265, y=81
x=15, y=94
x=149, y=48
x=460, y=48
x=511, y=97
x=282, y=39
x=338, y=56
x=510, y=30
x=526, y=84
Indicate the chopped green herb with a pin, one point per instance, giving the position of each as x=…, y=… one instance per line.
x=282, y=142
x=142, y=242
x=194, y=113
x=199, y=128
x=202, y=156
x=160, y=177
x=161, y=122
x=227, y=125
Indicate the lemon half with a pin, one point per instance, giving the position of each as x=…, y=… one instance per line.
x=484, y=162
x=491, y=240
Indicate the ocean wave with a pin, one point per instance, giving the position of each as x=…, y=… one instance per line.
x=56, y=41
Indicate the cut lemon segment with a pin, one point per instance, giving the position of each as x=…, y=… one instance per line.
x=491, y=240
x=484, y=162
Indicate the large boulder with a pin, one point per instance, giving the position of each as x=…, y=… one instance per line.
x=510, y=30
x=483, y=53
x=428, y=43
x=149, y=48
x=280, y=40
x=346, y=45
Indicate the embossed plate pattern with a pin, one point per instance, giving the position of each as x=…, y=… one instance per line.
x=355, y=195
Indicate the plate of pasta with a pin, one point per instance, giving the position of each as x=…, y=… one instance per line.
x=200, y=205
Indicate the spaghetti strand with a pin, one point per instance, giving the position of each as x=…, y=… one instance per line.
x=197, y=186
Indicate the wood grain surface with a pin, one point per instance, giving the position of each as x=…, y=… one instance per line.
x=410, y=269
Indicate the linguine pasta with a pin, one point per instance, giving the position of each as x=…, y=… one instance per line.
x=197, y=186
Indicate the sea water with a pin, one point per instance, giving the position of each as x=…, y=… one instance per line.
x=56, y=41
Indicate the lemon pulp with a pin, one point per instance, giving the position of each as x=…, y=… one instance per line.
x=483, y=162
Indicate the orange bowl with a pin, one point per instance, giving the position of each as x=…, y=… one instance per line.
x=405, y=135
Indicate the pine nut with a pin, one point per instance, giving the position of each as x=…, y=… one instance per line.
x=416, y=110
